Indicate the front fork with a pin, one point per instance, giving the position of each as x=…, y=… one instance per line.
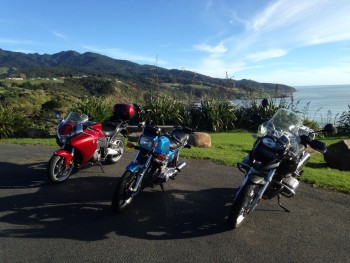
x=254, y=177
x=143, y=169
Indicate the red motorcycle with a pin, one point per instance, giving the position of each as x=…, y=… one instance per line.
x=85, y=142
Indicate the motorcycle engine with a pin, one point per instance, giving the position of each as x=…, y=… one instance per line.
x=95, y=157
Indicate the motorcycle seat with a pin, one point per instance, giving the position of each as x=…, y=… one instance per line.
x=177, y=138
x=109, y=128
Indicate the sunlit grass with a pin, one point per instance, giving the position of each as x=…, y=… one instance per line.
x=230, y=148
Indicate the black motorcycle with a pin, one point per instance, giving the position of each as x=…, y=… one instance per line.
x=274, y=164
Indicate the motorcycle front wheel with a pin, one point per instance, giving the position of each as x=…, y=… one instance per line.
x=242, y=205
x=123, y=196
x=117, y=145
x=56, y=171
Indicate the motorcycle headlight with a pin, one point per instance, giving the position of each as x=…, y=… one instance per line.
x=146, y=142
x=269, y=142
x=272, y=144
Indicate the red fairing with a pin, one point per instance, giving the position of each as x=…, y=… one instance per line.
x=66, y=155
x=86, y=143
x=97, y=126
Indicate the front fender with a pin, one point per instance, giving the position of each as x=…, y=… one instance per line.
x=68, y=156
x=256, y=179
x=134, y=167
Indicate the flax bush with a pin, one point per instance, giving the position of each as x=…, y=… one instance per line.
x=216, y=115
x=12, y=122
x=254, y=106
x=344, y=122
x=164, y=110
x=97, y=108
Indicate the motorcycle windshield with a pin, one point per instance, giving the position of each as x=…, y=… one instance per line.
x=284, y=122
x=76, y=117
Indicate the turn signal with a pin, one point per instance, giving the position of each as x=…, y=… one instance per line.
x=161, y=158
x=130, y=145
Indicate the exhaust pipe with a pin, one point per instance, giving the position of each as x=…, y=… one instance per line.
x=181, y=166
x=172, y=172
x=111, y=151
x=302, y=162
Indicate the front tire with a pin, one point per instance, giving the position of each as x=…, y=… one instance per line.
x=118, y=145
x=242, y=205
x=123, y=196
x=56, y=171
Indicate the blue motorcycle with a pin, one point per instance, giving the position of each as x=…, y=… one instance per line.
x=155, y=162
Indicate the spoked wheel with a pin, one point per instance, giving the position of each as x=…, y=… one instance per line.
x=242, y=205
x=118, y=145
x=56, y=171
x=123, y=195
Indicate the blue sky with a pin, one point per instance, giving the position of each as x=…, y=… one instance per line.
x=291, y=42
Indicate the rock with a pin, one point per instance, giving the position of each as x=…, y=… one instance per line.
x=200, y=139
x=338, y=155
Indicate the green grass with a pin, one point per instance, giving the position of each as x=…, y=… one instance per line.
x=230, y=148
x=47, y=142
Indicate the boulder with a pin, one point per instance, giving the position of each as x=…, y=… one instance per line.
x=338, y=155
x=200, y=139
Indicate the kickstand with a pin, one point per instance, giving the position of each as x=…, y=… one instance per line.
x=279, y=203
x=162, y=186
x=100, y=164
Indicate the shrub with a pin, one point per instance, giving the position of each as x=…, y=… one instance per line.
x=12, y=122
x=97, y=108
x=215, y=115
x=245, y=113
x=344, y=123
x=164, y=110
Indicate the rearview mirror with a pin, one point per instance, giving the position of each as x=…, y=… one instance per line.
x=57, y=116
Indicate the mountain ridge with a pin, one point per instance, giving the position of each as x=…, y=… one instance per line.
x=72, y=63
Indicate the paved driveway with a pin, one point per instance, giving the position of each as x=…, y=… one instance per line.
x=73, y=221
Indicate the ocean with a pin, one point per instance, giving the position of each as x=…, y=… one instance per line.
x=323, y=104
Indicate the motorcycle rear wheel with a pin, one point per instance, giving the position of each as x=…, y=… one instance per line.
x=116, y=144
x=56, y=171
x=242, y=205
x=123, y=196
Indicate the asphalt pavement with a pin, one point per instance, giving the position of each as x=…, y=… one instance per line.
x=73, y=221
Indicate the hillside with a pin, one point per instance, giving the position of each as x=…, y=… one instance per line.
x=129, y=75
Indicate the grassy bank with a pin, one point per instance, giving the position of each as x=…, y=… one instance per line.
x=230, y=148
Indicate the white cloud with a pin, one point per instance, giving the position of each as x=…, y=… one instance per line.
x=327, y=75
x=59, y=35
x=274, y=31
x=263, y=55
x=212, y=50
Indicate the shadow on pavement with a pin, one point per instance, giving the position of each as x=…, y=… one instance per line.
x=79, y=208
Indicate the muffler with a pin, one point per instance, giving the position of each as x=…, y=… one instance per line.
x=290, y=185
x=172, y=172
x=302, y=163
x=111, y=151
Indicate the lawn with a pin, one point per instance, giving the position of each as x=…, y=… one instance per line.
x=230, y=148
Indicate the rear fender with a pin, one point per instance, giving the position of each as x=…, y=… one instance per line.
x=68, y=156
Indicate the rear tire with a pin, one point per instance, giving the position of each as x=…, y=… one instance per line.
x=122, y=196
x=118, y=145
x=56, y=171
x=242, y=205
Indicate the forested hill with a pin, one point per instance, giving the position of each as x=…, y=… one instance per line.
x=74, y=64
